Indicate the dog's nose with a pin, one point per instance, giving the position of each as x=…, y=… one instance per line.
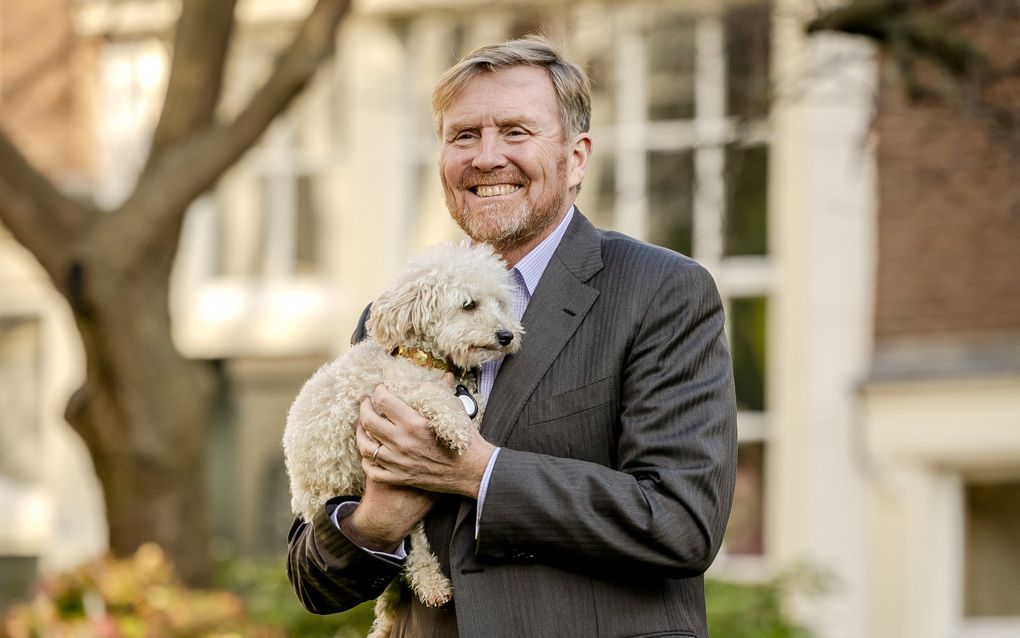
x=504, y=337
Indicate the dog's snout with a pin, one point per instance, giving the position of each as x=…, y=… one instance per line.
x=504, y=337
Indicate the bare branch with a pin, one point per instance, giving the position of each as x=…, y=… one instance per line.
x=39, y=216
x=869, y=18
x=191, y=167
x=909, y=26
x=196, y=75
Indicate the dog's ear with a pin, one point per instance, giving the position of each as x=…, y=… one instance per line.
x=394, y=314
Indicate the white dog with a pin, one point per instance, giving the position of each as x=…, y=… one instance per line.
x=449, y=310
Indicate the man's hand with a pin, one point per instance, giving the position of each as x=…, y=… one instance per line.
x=385, y=515
x=410, y=455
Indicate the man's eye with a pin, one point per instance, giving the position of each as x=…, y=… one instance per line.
x=470, y=305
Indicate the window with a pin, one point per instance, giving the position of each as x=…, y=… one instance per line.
x=670, y=191
x=671, y=58
x=745, y=534
x=747, y=347
x=131, y=77
x=992, y=553
x=746, y=222
x=272, y=217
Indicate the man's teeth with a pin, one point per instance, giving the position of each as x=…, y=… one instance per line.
x=495, y=189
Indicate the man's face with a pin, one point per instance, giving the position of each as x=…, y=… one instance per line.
x=508, y=174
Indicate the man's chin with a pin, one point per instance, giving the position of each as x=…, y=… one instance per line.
x=493, y=224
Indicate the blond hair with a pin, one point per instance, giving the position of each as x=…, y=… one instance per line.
x=573, y=90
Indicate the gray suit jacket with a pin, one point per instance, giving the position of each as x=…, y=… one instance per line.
x=610, y=496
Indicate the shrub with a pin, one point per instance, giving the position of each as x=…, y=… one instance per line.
x=139, y=597
x=741, y=610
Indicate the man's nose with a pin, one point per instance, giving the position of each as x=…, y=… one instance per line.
x=490, y=155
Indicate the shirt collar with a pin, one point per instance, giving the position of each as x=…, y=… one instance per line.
x=532, y=266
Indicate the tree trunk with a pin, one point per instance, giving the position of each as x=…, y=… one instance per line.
x=143, y=413
x=143, y=409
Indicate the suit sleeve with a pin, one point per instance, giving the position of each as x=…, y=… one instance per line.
x=328, y=572
x=665, y=504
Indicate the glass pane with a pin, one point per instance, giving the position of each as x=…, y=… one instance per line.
x=746, y=201
x=747, y=344
x=457, y=44
x=598, y=191
x=748, y=30
x=671, y=199
x=240, y=236
x=306, y=237
x=527, y=23
x=745, y=533
x=670, y=57
x=592, y=30
x=600, y=69
x=992, y=553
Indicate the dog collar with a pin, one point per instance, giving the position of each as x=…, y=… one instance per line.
x=427, y=360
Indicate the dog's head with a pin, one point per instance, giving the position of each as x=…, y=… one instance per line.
x=453, y=301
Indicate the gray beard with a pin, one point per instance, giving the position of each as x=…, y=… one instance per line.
x=510, y=230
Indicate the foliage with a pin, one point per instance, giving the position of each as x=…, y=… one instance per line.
x=141, y=597
x=742, y=610
x=270, y=601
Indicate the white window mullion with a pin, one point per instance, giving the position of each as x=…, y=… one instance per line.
x=631, y=214
x=709, y=161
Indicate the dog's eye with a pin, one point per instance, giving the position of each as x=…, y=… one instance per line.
x=470, y=305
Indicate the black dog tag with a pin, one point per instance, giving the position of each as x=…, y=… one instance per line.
x=470, y=405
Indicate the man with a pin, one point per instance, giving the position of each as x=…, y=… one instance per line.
x=607, y=496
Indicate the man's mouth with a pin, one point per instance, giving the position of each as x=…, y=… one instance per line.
x=493, y=190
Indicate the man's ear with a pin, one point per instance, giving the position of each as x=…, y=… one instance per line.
x=580, y=153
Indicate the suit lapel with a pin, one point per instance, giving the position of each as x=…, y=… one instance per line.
x=557, y=308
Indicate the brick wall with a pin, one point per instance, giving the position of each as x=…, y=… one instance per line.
x=42, y=73
x=949, y=208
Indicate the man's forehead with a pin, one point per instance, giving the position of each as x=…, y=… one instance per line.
x=513, y=94
x=471, y=114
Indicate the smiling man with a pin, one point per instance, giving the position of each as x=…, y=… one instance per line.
x=597, y=492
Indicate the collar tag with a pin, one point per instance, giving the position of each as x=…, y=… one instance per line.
x=469, y=402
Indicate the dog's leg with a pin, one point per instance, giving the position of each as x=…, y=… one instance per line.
x=385, y=611
x=445, y=414
x=423, y=573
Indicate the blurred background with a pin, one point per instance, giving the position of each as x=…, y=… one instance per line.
x=177, y=261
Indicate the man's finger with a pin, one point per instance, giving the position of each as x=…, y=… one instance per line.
x=375, y=425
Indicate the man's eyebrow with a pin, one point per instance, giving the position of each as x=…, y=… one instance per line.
x=501, y=122
x=516, y=120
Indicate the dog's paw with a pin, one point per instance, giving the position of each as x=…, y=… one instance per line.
x=447, y=419
x=435, y=593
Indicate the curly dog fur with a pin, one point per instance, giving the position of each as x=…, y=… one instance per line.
x=453, y=302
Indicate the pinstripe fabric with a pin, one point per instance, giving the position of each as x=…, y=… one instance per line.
x=610, y=495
